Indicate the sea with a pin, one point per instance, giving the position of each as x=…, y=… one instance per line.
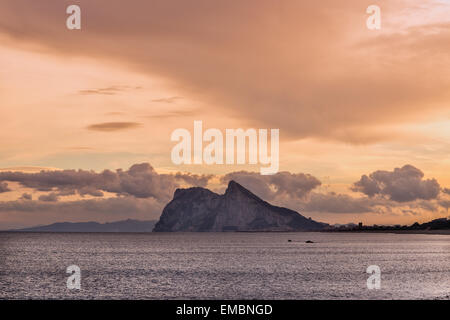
x=225, y=265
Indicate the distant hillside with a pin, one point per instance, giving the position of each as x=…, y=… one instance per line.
x=201, y=210
x=118, y=226
x=436, y=224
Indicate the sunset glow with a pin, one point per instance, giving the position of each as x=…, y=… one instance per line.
x=347, y=101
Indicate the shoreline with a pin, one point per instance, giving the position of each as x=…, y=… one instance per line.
x=432, y=232
x=435, y=232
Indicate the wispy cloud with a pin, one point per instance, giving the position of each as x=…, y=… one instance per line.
x=167, y=100
x=112, y=90
x=113, y=126
x=114, y=113
x=79, y=148
x=173, y=114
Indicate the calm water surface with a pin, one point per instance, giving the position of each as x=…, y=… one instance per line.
x=224, y=265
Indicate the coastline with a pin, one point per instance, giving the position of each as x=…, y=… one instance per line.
x=435, y=232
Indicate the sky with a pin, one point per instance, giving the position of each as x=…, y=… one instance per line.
x=87, y=115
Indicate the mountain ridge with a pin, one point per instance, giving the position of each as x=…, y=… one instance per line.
x=128, y=225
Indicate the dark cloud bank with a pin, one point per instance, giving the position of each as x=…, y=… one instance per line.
x=402, y=185
x=141, y=192
x=140, y=181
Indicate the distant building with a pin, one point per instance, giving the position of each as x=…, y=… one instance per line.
x=360, y=225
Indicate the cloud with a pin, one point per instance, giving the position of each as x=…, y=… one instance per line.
x=167, y=100
x=427, y=205
x=104, y=91
x=173, y=114
x=141, y=193
x=337, y=203
x=274, y=62
x=79, y=148
x=4, y=187
x=26, y=196
x=193, y=179
x=279, y=185
x=115, y=113
x=113, y=126
x=402, y=185
x=21, y=213
x=51, y=197
x=136, y=188
x=385, y=192
x=112, y=90
x=140, y=181
x=113, y=205
x=445, y=204
x=91, y=191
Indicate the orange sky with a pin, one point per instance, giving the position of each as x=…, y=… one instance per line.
x=348, y=101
